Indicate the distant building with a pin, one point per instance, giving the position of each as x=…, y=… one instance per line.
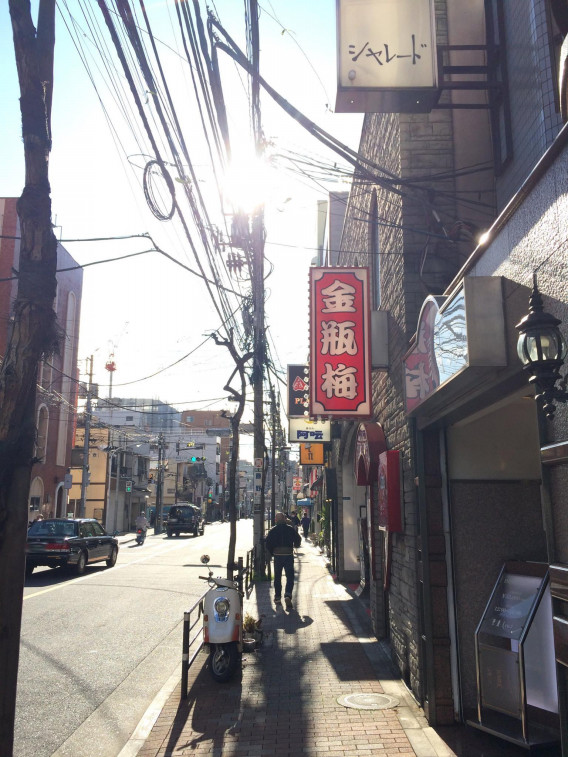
x=213, y=423
x=146, y=414
x=331, y=216
x=57, y=375
x=119, y=472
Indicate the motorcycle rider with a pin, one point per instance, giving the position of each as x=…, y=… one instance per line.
x=142, y=521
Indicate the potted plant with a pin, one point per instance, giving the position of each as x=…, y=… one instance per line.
x=252, y=630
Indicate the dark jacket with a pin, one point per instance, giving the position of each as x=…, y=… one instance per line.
x=281, y=539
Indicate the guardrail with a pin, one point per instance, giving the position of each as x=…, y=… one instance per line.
x=189, y=641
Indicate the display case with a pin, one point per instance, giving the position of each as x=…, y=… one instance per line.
x=514, y=650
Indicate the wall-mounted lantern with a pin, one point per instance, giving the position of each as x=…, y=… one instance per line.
x=542, y=350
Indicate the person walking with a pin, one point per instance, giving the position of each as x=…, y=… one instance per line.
x=280, y=543
x=294, y=521
x=306, y=522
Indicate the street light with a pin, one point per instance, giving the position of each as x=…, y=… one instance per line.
x=542, y=350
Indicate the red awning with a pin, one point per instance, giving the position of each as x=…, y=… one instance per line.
x=370, y=443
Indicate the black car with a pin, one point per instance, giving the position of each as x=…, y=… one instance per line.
x=71, y=543
x=185, y=519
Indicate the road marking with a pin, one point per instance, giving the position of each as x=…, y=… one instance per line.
x=163, y=550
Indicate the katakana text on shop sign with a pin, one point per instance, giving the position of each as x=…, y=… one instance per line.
x=389, y=52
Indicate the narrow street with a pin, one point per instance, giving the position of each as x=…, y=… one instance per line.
x=96, y=649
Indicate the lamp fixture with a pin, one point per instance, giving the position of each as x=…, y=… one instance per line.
x=542, y=350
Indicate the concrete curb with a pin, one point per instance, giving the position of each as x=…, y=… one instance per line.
x=144, y=727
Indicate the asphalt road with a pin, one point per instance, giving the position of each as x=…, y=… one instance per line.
x=96, y=649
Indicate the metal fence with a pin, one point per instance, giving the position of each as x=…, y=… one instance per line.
x=191, y=644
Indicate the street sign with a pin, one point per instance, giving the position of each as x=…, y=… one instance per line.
x=311, y=454
x=67, y=481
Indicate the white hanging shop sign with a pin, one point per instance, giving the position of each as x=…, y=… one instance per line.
x=386, y=56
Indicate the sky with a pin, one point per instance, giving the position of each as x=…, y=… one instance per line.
x=146, y=311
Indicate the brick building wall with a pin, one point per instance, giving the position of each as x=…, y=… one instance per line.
x=57, y=388
x=8, y=228
x=412, y=265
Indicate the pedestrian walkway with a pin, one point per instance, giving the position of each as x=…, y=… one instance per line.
x=286, y=701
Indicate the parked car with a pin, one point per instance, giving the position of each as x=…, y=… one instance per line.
x=70, y=543
x=185, y=519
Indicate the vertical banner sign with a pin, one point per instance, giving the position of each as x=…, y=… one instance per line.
x=297, y=390
x=340, y=349
x=258, y=484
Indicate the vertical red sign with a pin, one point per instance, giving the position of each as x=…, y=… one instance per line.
x=340, y=351
x=390, y=513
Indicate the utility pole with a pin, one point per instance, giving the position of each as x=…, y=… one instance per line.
x=85, y=475
x=159, y=485
x=257, y=234
x=273, y=471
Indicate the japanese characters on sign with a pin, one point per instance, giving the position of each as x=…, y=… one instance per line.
x=386, y=45
x=421, y=376
x=311, y=454
x=297, y=390
x=340, y=355
x=305, y=430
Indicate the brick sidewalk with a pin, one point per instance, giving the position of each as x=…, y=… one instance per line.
x=285, y=702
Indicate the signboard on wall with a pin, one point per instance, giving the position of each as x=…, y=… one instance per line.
x=386, y=56
x=297, y=390
x=340, y=343
x=455, y=334
x=369, y=445
x=311, y=454
x=305, y=430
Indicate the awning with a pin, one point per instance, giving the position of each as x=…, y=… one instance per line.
x=370, y=443
x=317, y=483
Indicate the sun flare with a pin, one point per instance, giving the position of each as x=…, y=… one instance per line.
x=248, y=183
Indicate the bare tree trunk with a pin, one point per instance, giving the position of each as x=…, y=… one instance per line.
x=33, y=335
x=240, y=396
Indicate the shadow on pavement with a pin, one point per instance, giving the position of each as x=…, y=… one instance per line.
x=53, y=576
x=215, y=710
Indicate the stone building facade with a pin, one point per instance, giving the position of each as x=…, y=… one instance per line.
x=56, y=400
x=456, y=209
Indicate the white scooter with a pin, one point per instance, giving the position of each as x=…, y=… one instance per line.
x=223, y=624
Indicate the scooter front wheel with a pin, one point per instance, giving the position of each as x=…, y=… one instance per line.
x=223, y=660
